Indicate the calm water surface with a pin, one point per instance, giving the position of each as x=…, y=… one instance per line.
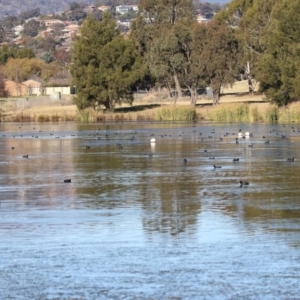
x=136, y=222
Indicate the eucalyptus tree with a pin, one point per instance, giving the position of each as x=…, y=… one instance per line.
x=158, y=55
x=252, y=20
x=217, y=57
x=191, y=75
x=279, y=68
x=166, y=59
x=269, y=33
x=155, y=33
x=104, y=65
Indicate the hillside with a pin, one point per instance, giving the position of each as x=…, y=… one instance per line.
x=15, y=7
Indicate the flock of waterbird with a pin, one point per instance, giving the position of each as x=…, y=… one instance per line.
x=245, y=135
x=240, y=135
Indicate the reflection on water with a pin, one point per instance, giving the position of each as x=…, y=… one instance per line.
x=136, y=222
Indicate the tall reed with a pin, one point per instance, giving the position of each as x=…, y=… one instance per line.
x=176, y=113
x=237, y=112
x=230, y=113
x=289, y=114
x=234, y=112
x=255, y=115
x=83, y=116
x=271, y=114
x=43, y=118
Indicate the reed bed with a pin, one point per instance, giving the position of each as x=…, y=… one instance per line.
x=176, y=113
x=289, y=114
x=269, y=113
x=237, y=112
x=23, y=117
x=86, y=116
x=233, y=112
x=90, y=115
x=18, y=118
x=230, y=113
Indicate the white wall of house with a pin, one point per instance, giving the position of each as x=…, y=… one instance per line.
x=123, y=9
x=64, y=90
x=18, y=29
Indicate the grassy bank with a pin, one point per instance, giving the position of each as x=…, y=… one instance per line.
x=236, y=111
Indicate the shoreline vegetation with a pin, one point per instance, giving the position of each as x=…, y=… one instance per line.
x=236, y=105
x=224, y=113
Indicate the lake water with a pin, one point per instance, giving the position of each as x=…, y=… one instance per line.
x=136, y=222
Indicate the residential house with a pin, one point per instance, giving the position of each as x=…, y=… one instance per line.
x=15, y=89
x=104, y=8
x=125, y=23
x=70, y=31
x=18, y=29
x=50, y=22
x=46, y=33
x=89, y=9
x=202, y=19
x=134, y=7
x=32, y=86
x=123, y=9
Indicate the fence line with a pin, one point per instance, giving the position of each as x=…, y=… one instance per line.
x=27, y=103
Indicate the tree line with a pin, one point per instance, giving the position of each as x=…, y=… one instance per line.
x=268, y=33
x=253, y=38
x=166, y=48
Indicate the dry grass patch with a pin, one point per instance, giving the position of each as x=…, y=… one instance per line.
x=240, y=87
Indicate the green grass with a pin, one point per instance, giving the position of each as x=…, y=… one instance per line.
x=176, y=113
x=230, y=113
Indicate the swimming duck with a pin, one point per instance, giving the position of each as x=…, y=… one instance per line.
x=67, y=180
x=291, y=159
x=244, y=183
